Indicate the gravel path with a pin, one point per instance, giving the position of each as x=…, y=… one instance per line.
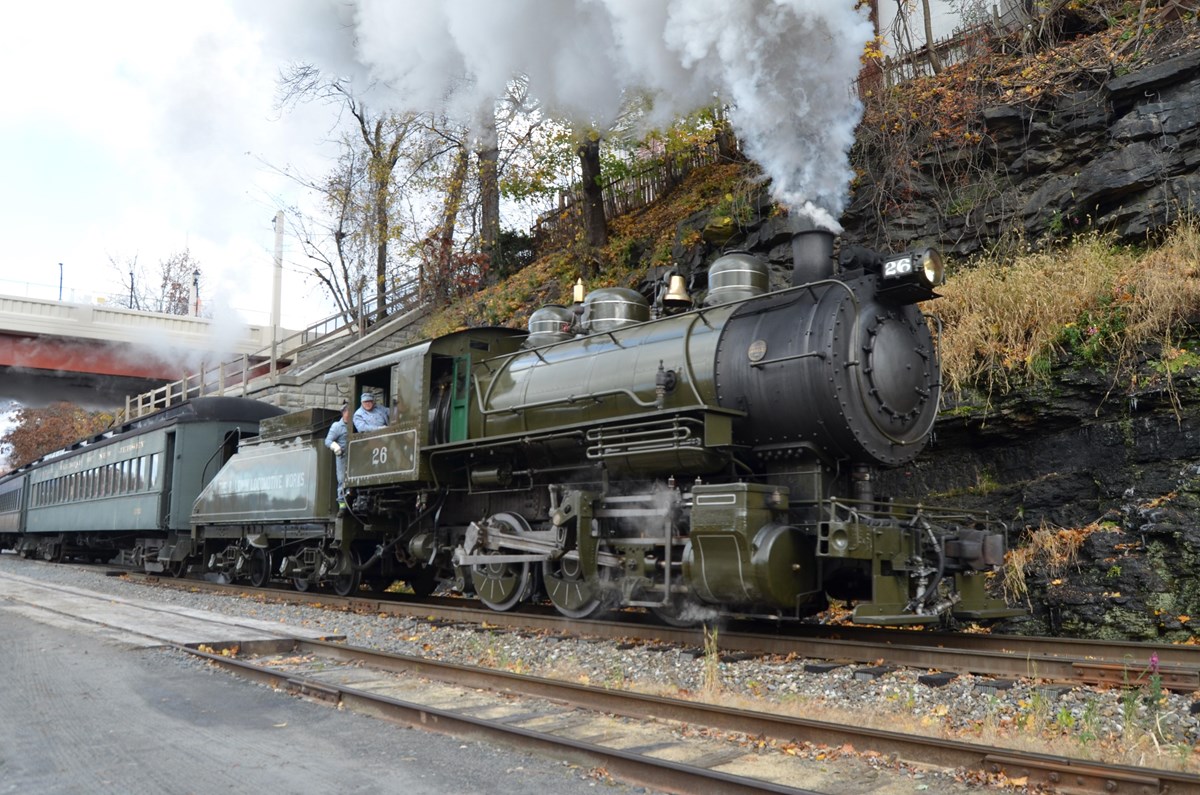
x=1139, y=725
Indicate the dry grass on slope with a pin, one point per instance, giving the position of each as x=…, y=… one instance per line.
x=650, y=230
x=1007, y=322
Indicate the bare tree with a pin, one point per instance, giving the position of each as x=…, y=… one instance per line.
x=934, y=61
x=382, y=137
x=167, y=288
x=336, y=246
x=903, y=34
x=594, y=223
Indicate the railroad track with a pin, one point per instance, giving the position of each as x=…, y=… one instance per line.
x=1072, y=661
x=635, y=737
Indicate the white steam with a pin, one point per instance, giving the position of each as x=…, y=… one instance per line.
x=786, y=67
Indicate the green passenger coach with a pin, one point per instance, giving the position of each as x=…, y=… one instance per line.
x=129, y=489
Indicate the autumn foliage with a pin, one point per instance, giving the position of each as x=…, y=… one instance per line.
x=42, y=430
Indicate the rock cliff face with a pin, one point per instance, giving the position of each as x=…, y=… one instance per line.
x=1118, y=475
x=1109, y=476
x=1119, y=154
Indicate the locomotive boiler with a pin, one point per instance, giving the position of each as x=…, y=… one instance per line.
x=689, y=460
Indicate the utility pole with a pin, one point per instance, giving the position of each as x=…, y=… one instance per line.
x=276, y=288
x=131, y=306
x=60, y=282
x=277, y=282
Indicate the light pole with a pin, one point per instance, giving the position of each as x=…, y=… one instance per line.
x=60, y=282
x=196, y=287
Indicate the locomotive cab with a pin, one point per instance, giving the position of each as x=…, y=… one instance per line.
x=430, y=387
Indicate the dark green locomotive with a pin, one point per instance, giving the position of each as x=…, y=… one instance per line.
x=685, y=460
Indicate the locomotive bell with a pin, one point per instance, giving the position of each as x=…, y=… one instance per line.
x=677, y=295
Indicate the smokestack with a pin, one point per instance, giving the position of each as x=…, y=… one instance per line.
x=812, y=252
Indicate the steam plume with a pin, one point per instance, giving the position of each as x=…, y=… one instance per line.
x=786, y=66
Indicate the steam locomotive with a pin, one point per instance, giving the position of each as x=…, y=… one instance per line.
x=687, y=459
x=626, y=452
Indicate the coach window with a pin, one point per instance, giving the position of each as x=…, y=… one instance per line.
x=154, y=470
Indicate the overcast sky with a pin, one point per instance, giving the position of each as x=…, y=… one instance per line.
x=140, y=129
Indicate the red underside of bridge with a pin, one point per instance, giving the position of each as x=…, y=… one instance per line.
x=83, y=356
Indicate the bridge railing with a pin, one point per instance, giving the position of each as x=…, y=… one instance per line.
x=236, y=374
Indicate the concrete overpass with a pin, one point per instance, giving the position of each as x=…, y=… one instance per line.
x=96, y=355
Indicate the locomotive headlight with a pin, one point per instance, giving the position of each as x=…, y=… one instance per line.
x=923, y=267
x=911, y=277
x=931, y=267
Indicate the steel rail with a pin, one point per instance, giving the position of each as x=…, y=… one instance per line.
x=641, y=769
x=1006, y=656
x=1067, y=774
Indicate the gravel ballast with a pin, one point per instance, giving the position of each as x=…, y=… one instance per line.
x=1137, y=725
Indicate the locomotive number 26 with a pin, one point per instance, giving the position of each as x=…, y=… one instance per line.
x=378, y=456
x=897, y=267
